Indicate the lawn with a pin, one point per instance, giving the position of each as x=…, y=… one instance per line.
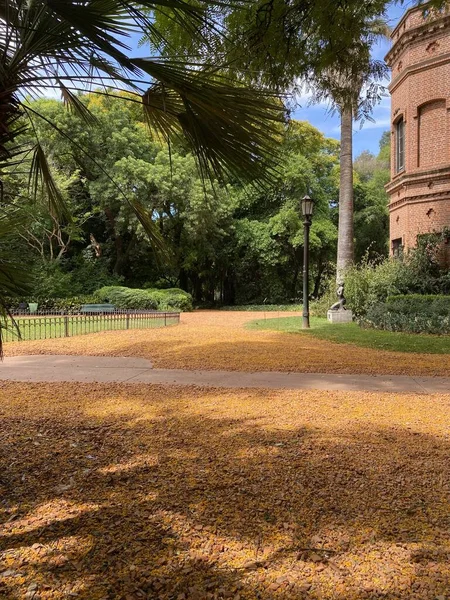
x=176, y=493
x=351, y=333
x=51, y=327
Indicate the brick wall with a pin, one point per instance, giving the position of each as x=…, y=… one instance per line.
x=420, y=93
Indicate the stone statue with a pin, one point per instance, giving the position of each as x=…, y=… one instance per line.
x=340, y=294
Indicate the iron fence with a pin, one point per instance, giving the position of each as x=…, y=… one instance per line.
x=53, y=325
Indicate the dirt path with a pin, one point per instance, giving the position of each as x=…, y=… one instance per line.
x=137, y=492
x=119, y=369
x=218, y=340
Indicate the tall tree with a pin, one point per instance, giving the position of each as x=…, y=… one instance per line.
x=352, y=89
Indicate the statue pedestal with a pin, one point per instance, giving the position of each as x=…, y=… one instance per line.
x=340, y=316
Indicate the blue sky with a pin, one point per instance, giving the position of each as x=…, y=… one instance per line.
x=367, y=137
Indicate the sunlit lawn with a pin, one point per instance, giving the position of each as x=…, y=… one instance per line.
x=351, y=333
x=50, y=327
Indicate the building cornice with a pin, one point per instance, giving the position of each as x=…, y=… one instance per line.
x=406, y=14
x=416, y=34
x=429, y=63
x=418, y=177
x=419, y=199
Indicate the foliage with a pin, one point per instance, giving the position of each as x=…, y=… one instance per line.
x=417, y=272
x=71, y=46
x=128, y=298
x=78, y=45
x=224, y=243
x=371, y=216
x=412, y=313
x=283, y=43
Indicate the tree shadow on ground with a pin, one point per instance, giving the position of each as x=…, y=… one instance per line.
x=156, y=500
x=244, y=351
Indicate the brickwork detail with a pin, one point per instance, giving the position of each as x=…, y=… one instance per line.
x=432, y=134
x=420, y=93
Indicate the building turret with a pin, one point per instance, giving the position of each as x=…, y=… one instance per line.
x=419, y=189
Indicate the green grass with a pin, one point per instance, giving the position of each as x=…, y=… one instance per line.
x=52, y=327
x=351, y=333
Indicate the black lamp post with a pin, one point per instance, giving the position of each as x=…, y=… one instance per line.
x=307, y=211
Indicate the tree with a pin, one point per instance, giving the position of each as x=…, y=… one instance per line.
x=269, y=232
x=287, y=43
x=371, y=217
x=69, y=44
x=343, y=86
x=225, y=242
x=79, y=44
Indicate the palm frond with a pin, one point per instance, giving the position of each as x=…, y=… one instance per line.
x=41, y=177
x=229, y=128
x=161, y=250
x=76, y=105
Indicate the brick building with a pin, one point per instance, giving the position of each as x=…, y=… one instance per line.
x=419, y=189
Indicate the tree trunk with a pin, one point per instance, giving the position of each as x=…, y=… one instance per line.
x=229, y=290
x=345, y=252
x=318, y=278
x=118, y=242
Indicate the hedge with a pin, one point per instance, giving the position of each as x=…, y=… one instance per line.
x=411, y=314
x=149, y=299
x=68, y=305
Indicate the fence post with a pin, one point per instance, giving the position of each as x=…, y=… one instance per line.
x=128, y=321
x=66, y=326
x=165, y=319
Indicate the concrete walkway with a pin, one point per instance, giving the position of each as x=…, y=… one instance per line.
x=103, y=369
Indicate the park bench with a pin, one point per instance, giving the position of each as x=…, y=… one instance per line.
x=97, y=308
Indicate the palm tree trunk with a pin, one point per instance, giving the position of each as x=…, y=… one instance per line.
x=345, y=252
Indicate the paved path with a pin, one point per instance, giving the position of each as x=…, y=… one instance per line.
x=103, y=369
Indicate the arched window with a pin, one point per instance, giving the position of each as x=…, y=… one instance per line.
x=433, y=142
x=400, y=145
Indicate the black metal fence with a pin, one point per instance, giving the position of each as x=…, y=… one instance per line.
x=50, y=325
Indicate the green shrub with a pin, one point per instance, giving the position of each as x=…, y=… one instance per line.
x=134, y=298
x=368, y=284
x=319, y=308
x=417, y=272
x=126, y=298
x=416, y=304
x=412, y=314
x=173, y=298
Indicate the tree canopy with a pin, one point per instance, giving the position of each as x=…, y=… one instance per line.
x=226, y=241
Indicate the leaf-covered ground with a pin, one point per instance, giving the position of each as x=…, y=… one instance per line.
x=219, y=340
x=172, y=493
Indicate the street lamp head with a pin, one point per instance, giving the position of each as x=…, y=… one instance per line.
x=307, y=206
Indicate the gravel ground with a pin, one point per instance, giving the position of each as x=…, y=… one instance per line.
x=173, y=493
x=219, y=340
